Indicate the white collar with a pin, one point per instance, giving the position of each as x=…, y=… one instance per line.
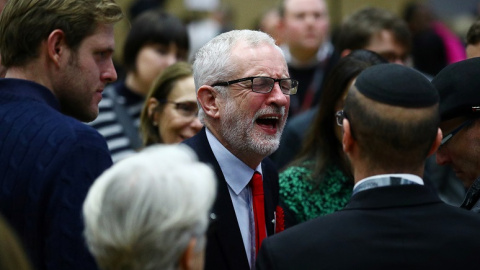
x=411, y=177
x=237, y=174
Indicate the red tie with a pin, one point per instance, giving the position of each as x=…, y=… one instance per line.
x=258, y=210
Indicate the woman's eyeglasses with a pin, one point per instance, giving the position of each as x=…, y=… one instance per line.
x=186, y=109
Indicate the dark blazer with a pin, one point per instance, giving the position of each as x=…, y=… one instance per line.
x=396, y=227
x=225, y=249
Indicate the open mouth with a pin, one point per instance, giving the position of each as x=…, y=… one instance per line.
x=268, y=123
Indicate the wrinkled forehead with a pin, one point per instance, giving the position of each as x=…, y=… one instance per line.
x=258, y=59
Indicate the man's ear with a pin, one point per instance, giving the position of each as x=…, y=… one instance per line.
x=436, y=143
x=187, y=259
x=56, y=46
x=348, y=141
x=208, y=98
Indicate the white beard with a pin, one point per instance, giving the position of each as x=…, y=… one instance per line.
x=240, y=133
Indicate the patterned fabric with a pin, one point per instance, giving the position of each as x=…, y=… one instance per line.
x=387, y=181
x=108, y=124
x=304, y=202
x=47, y=163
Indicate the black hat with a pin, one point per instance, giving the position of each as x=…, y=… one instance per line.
x=459, y=87
x=397, y=85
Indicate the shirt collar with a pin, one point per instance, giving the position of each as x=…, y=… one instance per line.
x=237, y=174
x=411, y=177
x=29, y=89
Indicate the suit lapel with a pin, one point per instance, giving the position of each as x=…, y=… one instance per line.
x=226, y=231
x=270, y=189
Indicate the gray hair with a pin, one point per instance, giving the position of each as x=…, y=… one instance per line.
x=212, y=62
x=142, y=212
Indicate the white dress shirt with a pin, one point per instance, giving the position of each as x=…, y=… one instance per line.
x=237, y=175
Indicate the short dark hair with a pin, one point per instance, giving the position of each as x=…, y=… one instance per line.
x=154, y=27
x=357, y=31
x=321, y=143
x=391, y=137
x=473, y=34
x=25, y=24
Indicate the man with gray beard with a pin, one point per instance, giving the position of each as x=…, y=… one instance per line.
x=243, y=90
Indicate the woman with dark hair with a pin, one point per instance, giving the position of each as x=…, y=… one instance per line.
x=319, y=181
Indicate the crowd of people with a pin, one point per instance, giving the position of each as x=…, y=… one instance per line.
x=290, y=146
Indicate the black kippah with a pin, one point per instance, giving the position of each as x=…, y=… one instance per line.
x=459, y=87
x=397, y=85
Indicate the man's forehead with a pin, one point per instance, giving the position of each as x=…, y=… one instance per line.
x=103, y=36
x=384, y=38
x=385, y=44
x=262, y=56
x=300, y=6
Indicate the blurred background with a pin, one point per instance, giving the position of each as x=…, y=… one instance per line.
x=245, y=14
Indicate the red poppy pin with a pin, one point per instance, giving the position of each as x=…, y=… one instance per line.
x=279, y=219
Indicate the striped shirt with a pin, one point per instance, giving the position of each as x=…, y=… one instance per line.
x=109, y=125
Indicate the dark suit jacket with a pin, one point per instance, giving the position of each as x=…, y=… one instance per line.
x=225, y=249
x=396, y=227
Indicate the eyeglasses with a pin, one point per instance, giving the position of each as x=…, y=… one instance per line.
x=455, y=131
x=265, y=85
x=186, y=109
x=340, y=115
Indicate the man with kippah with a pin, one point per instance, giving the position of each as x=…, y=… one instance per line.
x=459, y=88
x=390, y=126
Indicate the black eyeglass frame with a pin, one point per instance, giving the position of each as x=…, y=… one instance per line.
x=291, y=91
x=339, y=116
x=455, y=131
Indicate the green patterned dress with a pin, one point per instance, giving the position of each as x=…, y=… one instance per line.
x=302, y=201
